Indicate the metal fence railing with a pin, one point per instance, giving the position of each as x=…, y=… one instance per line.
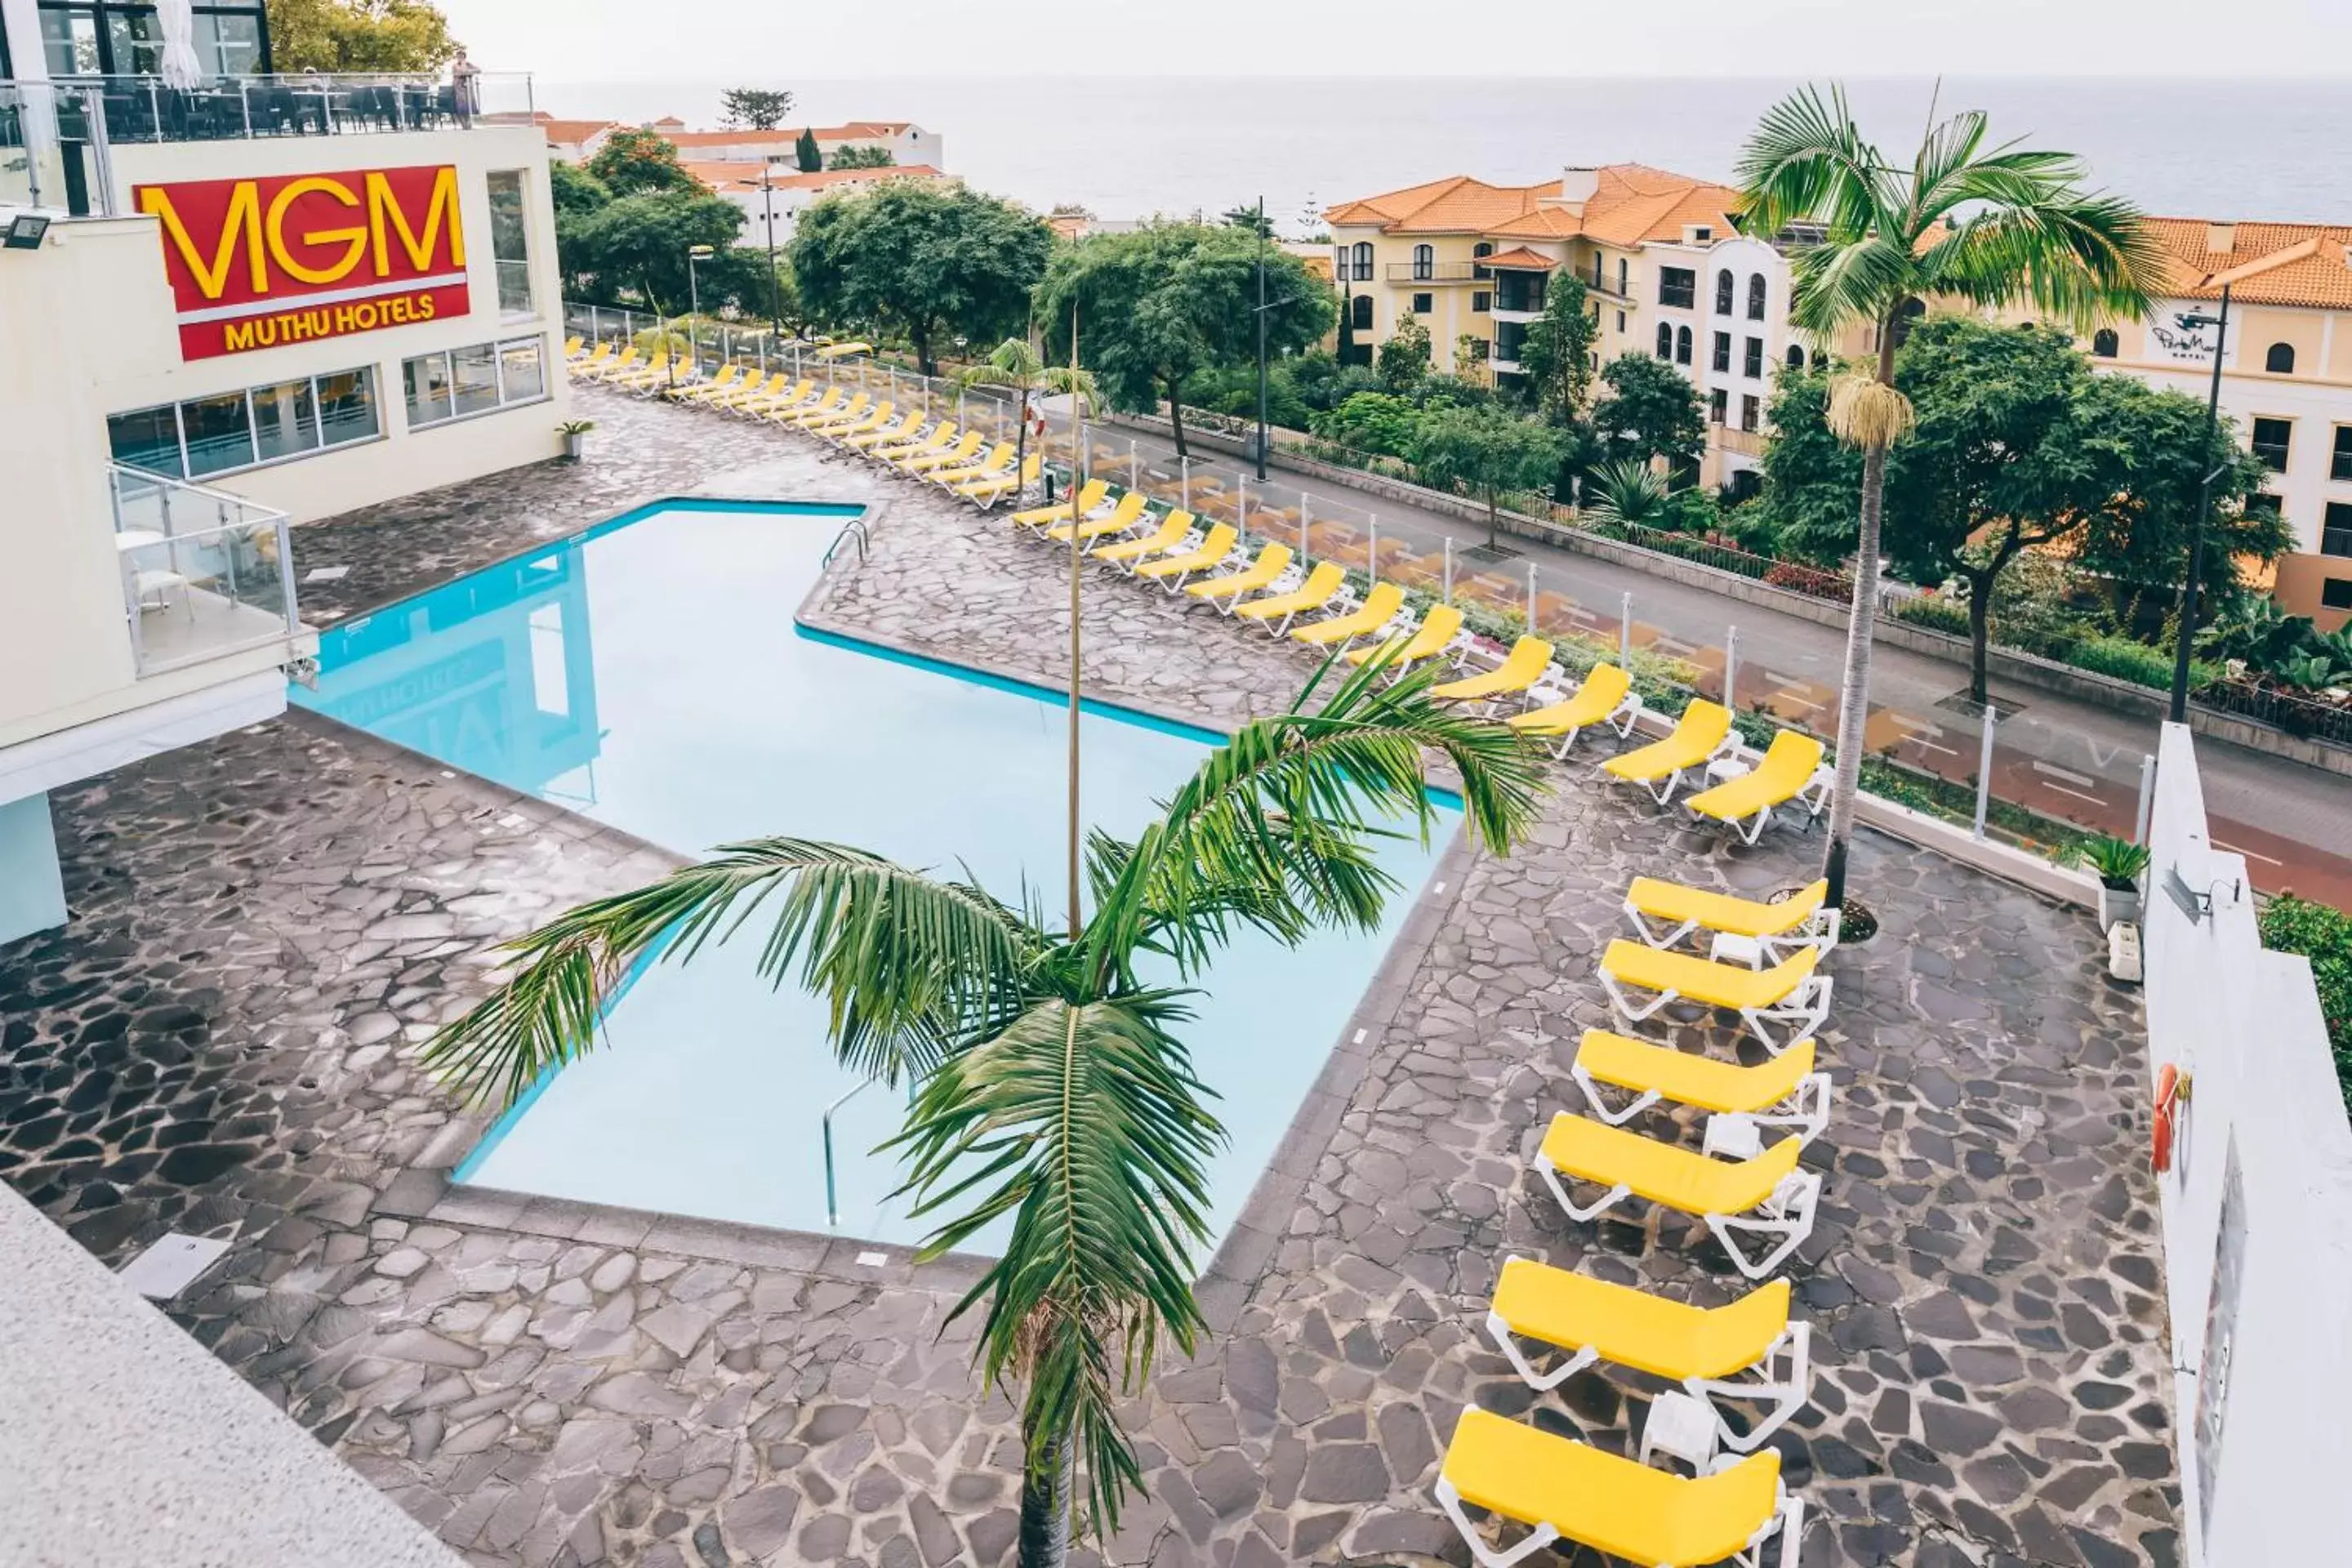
x=204, y=573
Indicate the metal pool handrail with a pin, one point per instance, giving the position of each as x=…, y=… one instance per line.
x=853, y=529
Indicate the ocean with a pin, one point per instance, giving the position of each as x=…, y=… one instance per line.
x=1132, y=148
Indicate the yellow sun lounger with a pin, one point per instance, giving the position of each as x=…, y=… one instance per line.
x=841, y=418
x=1562, y=1489
x=1091, y=494
x=1606, y=697
x=728, y=379
x=1173, y=569
x=1764, y=1197
x=923, y=462
x=999, y=460
x=1229, y=590
x=907, y=442
x=878, y=417
x=572, y=346
x=1173, y=530
x=1524, y=665
x=766, y=402
x=1777, y=929
x=593, y=361
x=986, y=492
x=1792, y=770
x=1783, y=1093
x=654, y=369
x=1435, y=635
x=1703, y=733
x=1789, y=994
x=1121, y=519
x=1382, y=602
x=835, y=400
x=628, y=358
x=745, y=390
x=1710, y=1350
x=909, y=428
x=1277, y=611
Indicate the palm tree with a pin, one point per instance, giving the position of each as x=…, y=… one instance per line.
x=1015, y=366
x=1054, y=1089
x=1984, y=227
x=1630, y=492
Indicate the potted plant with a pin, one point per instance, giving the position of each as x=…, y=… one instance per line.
x=2119, y=863
x=575, y=435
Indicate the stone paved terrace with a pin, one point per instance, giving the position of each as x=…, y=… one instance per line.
x=264, y=927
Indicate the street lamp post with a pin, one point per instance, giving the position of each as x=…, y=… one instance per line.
x=1261, y=340
x=694, y=253
x=776, y=289
x=2188, y=594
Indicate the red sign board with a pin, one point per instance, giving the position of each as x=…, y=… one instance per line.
x=289, y=259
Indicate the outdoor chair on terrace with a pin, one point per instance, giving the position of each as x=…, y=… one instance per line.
x=1436, y=634
x=987, y=491
x=1562, y=1489
x=1766, y=1196
x=1702, y=734
x=1091, y=494
x=1174, y=530
x=925, y=462
x=1524, y=665
x=841, y=418
x=655, y=372
x=1277, y=611
x=621, y=364
x=1121, y=519
x=836, y=400
x=1383, y=603
x=873, y=420
x=1775, y=929
x=1230, y=589
x=909, y=426
x=728, y=379
x=1172, y=570
x=759, y=404
x=1792, y=770
x=591, y=361
x=889, y=446
x=1605, y=697
x=1790, y=994
x=1782, y=1093
x=999, y=460
x=1747, y=1350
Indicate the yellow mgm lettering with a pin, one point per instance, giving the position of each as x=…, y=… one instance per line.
x=252, y=240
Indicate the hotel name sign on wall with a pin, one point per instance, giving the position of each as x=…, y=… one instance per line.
x=291, y=258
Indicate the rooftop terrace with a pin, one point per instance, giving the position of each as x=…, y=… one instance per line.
x=265, y=926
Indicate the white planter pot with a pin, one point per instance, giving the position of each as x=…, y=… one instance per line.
x=572, y=444
x=2117, y=904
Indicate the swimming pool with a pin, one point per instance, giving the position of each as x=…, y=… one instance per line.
x=648, y=674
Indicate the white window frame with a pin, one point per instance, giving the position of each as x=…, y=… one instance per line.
x=180, y=423
x=498, y=347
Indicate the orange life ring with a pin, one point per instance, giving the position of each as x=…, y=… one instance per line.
x=2171, y=1088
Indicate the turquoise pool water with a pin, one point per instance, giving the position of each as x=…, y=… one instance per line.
x=648, y=674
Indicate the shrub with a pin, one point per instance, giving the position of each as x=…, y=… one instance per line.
x=2322, y=935
x=2126, y=659
x=1808, y=580
x=1935, y=611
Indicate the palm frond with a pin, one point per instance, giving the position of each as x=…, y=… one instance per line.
x=1834, y=285
x=907, y=964
x=2079, y=258
x=1085, y=1125
x=1807, y=161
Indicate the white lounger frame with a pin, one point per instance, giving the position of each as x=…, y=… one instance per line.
x=1786, y=1212
x=1814, y=796
x=1802, y=1011
x=1663, y=790
x=1819, y=931
x=1787, y=1521
x=1621, y=718
x=1806, y=1110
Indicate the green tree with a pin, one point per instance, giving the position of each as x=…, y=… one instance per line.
x=1014, y=366
x=632, y=161
x=1170, y=302
x=930, y=263
x=1650, y=411
x=1403, y=359
x=805, y=153
x=637, y=244
x=1378, y=422
x=1053, y=1090
x=1987, y=226
x=402, y=36
x=577, y=196
x=1486, y=451
x=754, y=108
x=1251, y=217
x=1556, y=356
x=846, y=157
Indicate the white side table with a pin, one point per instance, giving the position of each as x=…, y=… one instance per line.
x=1680, y=1426
x=1731, y=948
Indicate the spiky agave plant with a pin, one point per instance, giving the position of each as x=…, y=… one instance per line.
x=1054, y=1087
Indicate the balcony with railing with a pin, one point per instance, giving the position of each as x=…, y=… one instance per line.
x=204, y=573
x=1434, y=271
x=56, y=136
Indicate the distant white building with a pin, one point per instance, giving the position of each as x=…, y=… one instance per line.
x=773, y=195
x=908, y=144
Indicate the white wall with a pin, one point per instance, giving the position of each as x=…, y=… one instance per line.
x=2245, y=1026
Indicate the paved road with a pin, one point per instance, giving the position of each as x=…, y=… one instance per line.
x=2064, y=758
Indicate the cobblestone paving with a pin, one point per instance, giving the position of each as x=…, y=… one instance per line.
x=264, y=927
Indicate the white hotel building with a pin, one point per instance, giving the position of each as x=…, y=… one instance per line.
x=227, y=308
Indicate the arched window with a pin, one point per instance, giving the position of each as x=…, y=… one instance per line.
x=1682, y=345
x=1723, y=292
x=1363, y=261
x=1756, y=296
x=1361, y=313
x=2280, y=361
x=1796, y=356
x=1482, y=250
x=1665, y=340
x=1820, y=359
x=2103, y=343
x=1425, y=263
x=1623, y=287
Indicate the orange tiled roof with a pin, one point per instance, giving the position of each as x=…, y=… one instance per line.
x=1521, y=257
x=855, y=131
x=1631, y=203
x=726, y=174
x=2307, y=264
x=570, y=133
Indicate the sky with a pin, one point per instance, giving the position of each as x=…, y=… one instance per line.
x=801, y=40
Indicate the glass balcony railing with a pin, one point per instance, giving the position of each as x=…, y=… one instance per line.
x=204, y=573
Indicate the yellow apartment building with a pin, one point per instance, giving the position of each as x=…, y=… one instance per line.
x=1667, y=272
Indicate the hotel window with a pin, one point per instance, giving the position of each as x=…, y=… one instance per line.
x=1677, y=286
x=1665, y=340
x=1682, y=345
x=1363, y=261
x=1751, y=408
x=2336, y=593
x=473, y=380
x=1623, y=288
x=1621, y=320
x=1424, y=304
x=2340, y=467
x=2334, y=530
x=233, y=430
x=1796, y=356
x=1821, y=358
x=1481, y=251
x=93, y=38
x=1723, y=352
x=1723, y=292
x=1359, y=312
x=1717, y=402
x=2273, y=438
x=2280, y=360
x=1481, y=301
x=1756, y=296
x=2103, y=343
x=1752, y=363
x=511, y=242
x=1425, y=263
